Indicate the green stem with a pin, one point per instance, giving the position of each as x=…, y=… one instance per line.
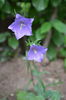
x=38, y=77
x=32, y=76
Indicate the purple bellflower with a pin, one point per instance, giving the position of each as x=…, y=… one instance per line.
x=36, y=53
x=21, y=26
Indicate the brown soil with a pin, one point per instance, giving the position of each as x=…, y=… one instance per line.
x=13, y=76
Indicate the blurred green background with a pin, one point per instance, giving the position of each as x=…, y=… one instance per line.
x=49, y=27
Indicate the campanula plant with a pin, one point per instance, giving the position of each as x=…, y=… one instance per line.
x=23, y=27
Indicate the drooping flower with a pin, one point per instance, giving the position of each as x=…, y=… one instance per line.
x=36, y=53
x=21, y=26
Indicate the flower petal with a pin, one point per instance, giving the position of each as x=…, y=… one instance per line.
x=19, y=16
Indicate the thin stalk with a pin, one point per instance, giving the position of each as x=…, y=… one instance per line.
x=32, y=76
x=38, y=77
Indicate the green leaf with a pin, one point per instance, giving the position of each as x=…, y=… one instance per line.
x=15, y=0
x=5, y=52
x=40, y=98
x=56, y=95
x=51, y=53
x=38, y=89
x=58, y=38
x=28, y=84
x=7, y=7
x=53, y=95
x=63, y=52
x=13, y=43
x=3, y=37
x=21, y=95
x=7, y=34
x=40, y=4
x=45, y=27
x=3, y=59
x=59, y=26
x=48, y=94
x=41, y=32
x=39, y=35
x=55, y=3
x=44, y=72
x=53, y=84
x=65, y=64
x=25, y=6
x=31, y=96
x=2, y=3
x=65, y=40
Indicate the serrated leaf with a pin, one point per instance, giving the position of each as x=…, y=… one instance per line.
x=31, y=96
x=13, y=43
x=51, y=53
x=21, y=95
x=55, y=3
x=56, y=95
x=39, y=89
x=59, y=26
x=48, y=94
x=40, y=4
x=45, y=27
x=53, y=95
x=58, y=38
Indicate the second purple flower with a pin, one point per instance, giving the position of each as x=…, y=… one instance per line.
x=36, y=53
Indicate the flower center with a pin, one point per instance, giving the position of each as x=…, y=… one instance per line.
x=21, y=25
x=34, y=50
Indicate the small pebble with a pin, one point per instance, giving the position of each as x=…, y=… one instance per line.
x=11, y=94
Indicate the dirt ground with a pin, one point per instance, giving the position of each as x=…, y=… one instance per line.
x=13, y=76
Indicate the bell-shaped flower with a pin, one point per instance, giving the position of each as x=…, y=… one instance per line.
x=21, y=26
x=36, y=53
